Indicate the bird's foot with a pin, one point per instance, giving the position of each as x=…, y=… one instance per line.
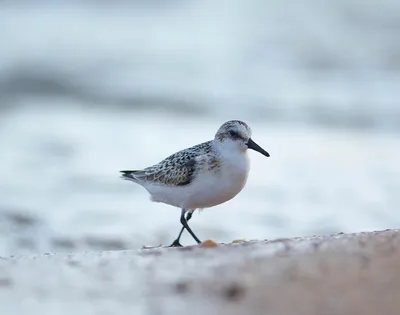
x=176, y=244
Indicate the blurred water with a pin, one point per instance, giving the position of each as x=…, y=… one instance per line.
x=87, y=89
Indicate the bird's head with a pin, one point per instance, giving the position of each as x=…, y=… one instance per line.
x=236, y=135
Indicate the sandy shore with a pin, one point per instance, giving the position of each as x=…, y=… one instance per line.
x=338, y=274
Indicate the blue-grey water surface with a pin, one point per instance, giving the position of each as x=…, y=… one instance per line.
x=88, y=89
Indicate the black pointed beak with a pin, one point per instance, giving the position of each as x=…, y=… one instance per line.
x=254, y=146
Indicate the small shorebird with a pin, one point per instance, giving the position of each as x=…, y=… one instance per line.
x=201, y=176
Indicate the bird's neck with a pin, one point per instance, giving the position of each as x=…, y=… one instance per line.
x=229, y=153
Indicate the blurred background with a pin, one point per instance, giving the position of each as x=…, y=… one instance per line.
x=88, y=88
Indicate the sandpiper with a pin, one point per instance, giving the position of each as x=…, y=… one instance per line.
x=202, y=176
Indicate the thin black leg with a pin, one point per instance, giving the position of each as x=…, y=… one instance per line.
x=176, y=243
x=186, y=226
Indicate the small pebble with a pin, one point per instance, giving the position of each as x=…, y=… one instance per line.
x=208, y=243
x=150, y=247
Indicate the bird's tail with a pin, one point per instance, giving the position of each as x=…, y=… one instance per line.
x=129, y=175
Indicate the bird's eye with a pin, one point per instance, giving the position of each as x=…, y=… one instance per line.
x=234, y=134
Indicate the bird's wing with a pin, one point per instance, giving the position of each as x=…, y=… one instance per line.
x=176, y=170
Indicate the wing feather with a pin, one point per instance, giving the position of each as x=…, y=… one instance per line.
x=176, y=170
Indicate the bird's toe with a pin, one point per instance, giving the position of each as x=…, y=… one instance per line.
x=176, y=244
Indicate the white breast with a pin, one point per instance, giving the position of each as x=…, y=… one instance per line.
x=213, y=188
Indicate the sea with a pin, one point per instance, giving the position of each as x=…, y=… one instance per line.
x=88, y=88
